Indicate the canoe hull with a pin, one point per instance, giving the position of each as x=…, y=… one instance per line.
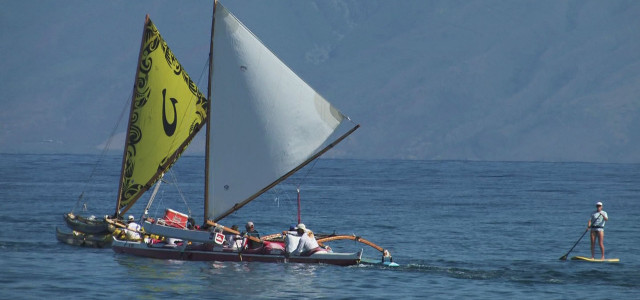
x=217, y=254
x=76, y=238
x=86, y=225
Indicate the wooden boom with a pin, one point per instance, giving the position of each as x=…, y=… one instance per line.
x=227, y=229
x=385, y=252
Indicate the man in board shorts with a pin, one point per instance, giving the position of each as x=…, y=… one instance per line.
x=596, y=224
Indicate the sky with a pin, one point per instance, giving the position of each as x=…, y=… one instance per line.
x=437, y=80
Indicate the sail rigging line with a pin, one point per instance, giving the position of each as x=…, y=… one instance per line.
x=159, y=199
x=160, y=180
x=103, y=152
x=175, y=182
x=306, y=174
x=153, y=196
x=285, y=176
x=304, y=177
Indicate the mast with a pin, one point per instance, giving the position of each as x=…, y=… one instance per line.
x=126, y=140
x=285, y=176
x=206, y=152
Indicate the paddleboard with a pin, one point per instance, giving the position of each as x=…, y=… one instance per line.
x=609, y=260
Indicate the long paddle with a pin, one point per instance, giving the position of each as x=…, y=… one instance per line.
x=564, y=257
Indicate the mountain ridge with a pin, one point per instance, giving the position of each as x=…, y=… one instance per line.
x=468, y=80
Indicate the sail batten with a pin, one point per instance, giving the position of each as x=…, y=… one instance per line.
x=266, y=122
x=167, y=112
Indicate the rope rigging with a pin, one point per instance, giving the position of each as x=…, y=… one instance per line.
x=103, y=153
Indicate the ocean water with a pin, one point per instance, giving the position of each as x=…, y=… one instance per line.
x=458, y=229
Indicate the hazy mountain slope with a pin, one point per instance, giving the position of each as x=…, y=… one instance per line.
x=482, y=80
x=497, y=81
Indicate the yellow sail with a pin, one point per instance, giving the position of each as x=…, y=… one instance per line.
x=167, y=111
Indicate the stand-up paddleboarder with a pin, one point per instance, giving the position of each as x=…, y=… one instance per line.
x=596, y=224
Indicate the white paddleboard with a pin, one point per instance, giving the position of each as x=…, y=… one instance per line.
x=589, y=259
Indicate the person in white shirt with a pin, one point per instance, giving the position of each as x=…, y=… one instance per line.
x=291, y=240
x=133, y=229
x=308, y=244
x=596, y=224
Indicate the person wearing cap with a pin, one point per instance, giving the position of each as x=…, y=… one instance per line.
x=308, y=244
x=251, y=231
x=133, y=229
x=596, y=224
x=291, y=239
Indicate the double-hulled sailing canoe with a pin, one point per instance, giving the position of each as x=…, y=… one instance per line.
x=264, y=123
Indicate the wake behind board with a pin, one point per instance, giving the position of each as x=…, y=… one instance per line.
x=607, y=260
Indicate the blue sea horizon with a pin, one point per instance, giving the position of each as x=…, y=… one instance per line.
x=458, y=229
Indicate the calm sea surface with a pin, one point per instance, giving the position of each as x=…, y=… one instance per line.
x=479, y=230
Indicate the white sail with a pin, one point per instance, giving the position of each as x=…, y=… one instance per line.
x=265, y=120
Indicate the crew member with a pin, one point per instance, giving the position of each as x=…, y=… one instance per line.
x=133, y=229
x=291, y=239
x=252, y=232
x=596, y=224
x=308, y=244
